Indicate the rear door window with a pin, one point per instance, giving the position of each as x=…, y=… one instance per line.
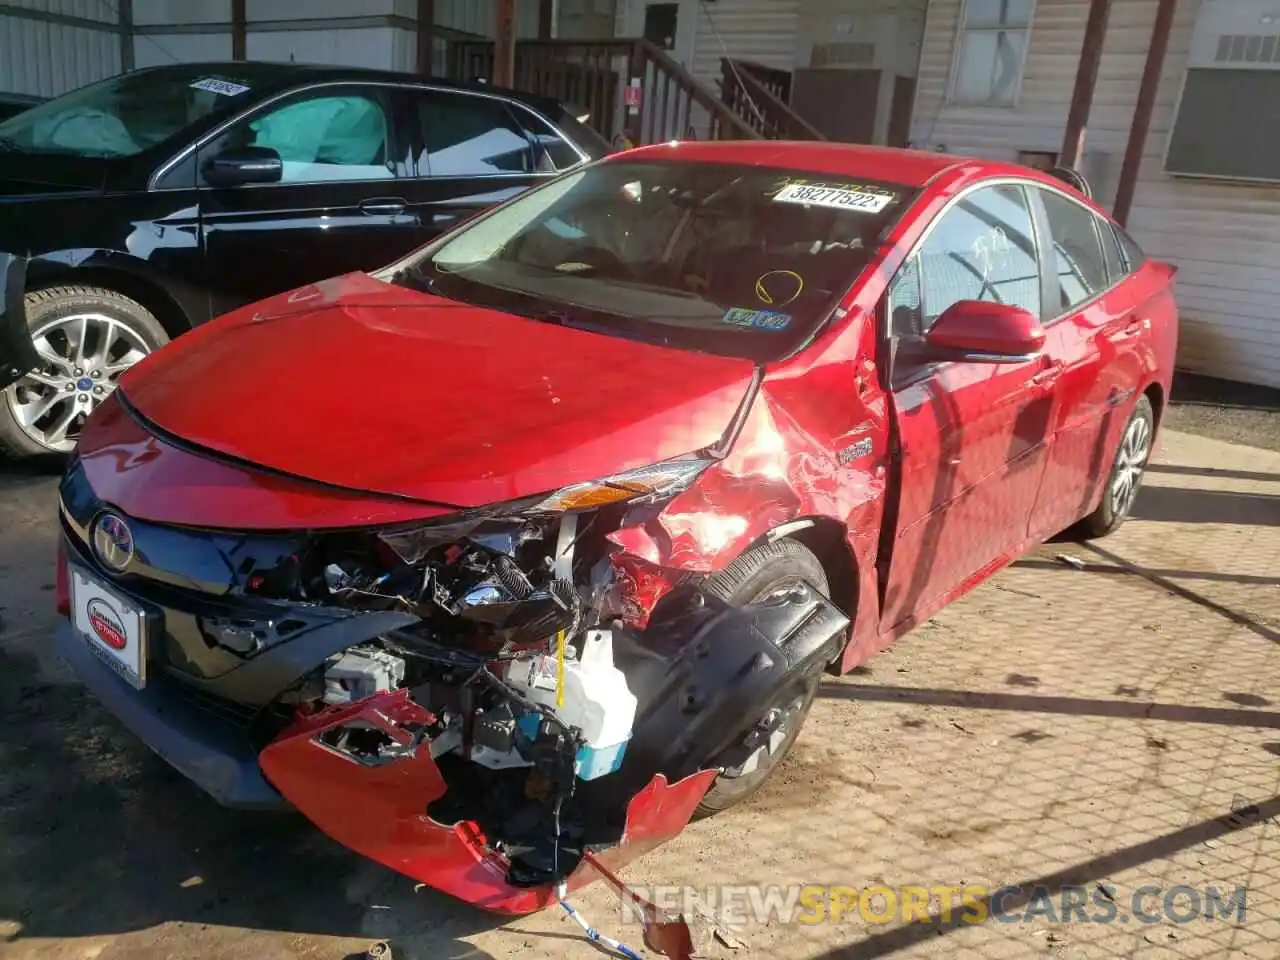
x=469, y=135
x=552, y=151
x=1077, y=253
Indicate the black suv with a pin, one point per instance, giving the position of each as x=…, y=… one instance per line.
x=155, y=200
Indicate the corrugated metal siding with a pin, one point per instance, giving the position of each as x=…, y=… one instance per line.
x=761, y=30
x=88, y=9
x=367, y=47
x=479, y=16
x=181, y=11
x=46, y=59
x=1224, y=236
x=156, y=51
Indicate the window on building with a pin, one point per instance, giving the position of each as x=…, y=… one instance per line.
x=990, y=51
x=1228, y=113
x=1077, y=249
x=983, y=248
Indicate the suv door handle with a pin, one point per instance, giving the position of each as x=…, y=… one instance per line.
x=383, y=206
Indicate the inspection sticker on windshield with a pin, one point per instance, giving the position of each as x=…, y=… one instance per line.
x=224, y=87
x=757, y=319
x=838, y=197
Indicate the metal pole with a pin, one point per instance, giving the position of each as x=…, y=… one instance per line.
x=426, y=30
x=1142, y=111
x=1095, y=31
x=504, y=45
x=239, y=30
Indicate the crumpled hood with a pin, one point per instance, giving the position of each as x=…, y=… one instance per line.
x=374, y=387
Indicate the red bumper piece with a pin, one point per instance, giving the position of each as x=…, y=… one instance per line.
x=380, y=811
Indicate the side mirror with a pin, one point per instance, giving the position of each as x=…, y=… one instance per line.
x=987, y=332
x=231, y=168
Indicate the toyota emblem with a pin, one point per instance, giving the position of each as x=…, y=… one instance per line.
x=113, y=542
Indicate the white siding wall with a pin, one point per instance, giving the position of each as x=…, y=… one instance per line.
x=45, y=59
x=760, y=30
x=1224, y=236
x=156, y=51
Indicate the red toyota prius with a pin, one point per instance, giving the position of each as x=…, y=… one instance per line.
x=530, y=547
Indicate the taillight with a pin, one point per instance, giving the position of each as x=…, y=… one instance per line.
x=63, y=582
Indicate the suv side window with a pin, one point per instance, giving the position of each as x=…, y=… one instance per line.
x=982, y=248
x=1077, y=250
x=325, y=136
x=468, y=135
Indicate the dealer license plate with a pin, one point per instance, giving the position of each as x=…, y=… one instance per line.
x=112, y=626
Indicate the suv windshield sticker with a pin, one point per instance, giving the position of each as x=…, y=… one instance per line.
x=224, y=87
x=842, y=198
x=757, y=319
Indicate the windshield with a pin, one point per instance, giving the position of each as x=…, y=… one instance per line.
x=124, y=115
x=741, y=261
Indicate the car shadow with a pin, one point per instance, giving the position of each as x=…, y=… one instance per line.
x=102, y=838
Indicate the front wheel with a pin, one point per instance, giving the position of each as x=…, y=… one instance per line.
x=86, y=337
x=759, y=574
x=1127, y=471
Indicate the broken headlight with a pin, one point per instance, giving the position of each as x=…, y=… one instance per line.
x=660, y=481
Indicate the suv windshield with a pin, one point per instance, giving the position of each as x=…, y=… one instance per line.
x=124, y=115
x=742, y=261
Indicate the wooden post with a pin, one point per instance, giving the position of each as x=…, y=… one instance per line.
x=546, y=16
x=1142, y=111
x=504, y=45
x=426, y=36
x=1095, y=31
x=239, y=30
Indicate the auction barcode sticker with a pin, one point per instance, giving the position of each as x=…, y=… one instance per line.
x=838, y=197
x=224, y=87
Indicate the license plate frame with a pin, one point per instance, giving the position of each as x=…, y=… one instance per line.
x=113, y=626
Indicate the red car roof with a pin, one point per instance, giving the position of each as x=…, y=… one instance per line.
x=911, y=168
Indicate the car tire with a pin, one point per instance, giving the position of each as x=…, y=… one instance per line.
x=123, y=328
x=1125, y=478
x=759, y=573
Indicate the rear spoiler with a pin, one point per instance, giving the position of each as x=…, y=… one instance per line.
x=17, y=351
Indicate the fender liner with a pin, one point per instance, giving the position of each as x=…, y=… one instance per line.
x=17, y=350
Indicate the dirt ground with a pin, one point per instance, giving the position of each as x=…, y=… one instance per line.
x=1110, y=720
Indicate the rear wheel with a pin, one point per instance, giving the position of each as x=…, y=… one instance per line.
x=763, y=572
x=1126, y=475
x=87, y=337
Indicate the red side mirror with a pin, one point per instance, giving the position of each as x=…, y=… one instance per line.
x=987, y=331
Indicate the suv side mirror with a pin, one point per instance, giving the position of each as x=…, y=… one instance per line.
x=987, y=332
x=231, y=168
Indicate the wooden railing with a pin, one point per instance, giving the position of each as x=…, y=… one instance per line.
x=633, y=91
x=758, y=95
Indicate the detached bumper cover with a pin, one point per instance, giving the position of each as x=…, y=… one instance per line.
x=380, y=810
x=209, y=754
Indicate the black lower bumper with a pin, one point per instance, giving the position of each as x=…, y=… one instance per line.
x=213, y=756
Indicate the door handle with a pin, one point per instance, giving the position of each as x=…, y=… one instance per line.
x=383, y=206
x=1132, y=328
x=1045, y=377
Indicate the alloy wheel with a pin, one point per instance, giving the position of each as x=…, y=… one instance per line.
x=1131, y=462
x=83, y=356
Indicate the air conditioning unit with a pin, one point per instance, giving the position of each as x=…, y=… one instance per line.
x=1227, y=125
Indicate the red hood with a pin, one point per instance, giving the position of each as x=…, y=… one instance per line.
x=367, y=385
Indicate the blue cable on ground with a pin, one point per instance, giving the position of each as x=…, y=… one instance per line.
x=591, y=932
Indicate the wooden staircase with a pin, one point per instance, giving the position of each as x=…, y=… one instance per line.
x=635, y=93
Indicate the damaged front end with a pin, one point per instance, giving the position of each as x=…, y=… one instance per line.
x=468, y=700
x=519, y=722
